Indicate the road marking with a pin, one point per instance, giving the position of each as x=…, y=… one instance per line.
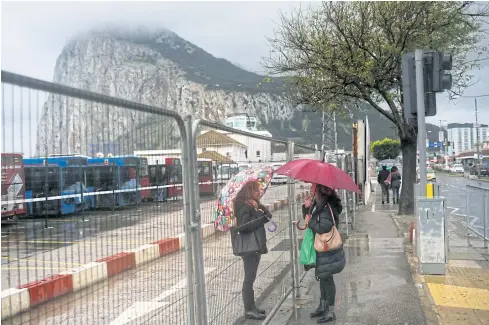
x=459, y=297
x=141, y=308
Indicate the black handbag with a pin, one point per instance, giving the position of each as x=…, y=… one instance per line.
x=245, y=243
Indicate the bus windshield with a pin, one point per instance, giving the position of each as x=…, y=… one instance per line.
x=175, y=174
x=204, y=168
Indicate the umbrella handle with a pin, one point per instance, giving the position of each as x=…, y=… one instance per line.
x=297, y=224
x=272, y=223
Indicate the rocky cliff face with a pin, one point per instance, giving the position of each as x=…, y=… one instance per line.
x=154, y=68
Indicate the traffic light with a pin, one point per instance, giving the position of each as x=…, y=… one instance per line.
x=441, y=80
x=435, y=80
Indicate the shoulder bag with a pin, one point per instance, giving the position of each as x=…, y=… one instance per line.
x=328, y=241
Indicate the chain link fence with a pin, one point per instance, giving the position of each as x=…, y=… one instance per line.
x=349, y=199
x=108, y=211
x=84, y=219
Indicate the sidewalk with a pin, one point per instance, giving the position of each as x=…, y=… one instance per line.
x=376, y=287
x=462, y=295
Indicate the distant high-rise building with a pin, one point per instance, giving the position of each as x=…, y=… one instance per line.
x=463, y=136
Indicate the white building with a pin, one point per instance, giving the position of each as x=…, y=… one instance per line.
x=258, y=150
x=223, y=144
x=464, y=136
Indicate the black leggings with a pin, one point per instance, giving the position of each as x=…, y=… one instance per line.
x=328, y=290
x=251, y=262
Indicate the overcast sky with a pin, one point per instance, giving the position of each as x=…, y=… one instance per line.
x=34, y=33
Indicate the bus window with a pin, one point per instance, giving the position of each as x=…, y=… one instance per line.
x=102, y=178
x=71, y=176
x=35, y=180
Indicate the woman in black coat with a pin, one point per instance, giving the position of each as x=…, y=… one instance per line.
x=320, y=220
x=251, y=216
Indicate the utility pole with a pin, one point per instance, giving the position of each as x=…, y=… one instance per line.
x=441, y=138
x=478, y=140
x=419, y=64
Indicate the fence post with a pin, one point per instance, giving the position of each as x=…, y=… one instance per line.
x=292, y=230
x=191, y=127
x=485, y=207
x=186, y=177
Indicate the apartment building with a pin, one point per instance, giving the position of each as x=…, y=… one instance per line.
x=463, y=136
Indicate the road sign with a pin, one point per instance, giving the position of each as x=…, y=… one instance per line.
x=481, y=156
x=435, y=144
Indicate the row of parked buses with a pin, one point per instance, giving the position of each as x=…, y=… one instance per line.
x=66, y=184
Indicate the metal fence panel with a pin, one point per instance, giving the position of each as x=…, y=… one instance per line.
x=478, y=211
x=105, y=236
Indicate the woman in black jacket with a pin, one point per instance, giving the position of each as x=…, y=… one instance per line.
x=320, y=220
x=251, y=217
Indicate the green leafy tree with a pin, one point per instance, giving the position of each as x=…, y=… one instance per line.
x=348, y=52
x=385, y=149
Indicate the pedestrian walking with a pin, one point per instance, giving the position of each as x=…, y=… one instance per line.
x=322, y=216
x=394, y=180
x=381, y=179
x=251, y=217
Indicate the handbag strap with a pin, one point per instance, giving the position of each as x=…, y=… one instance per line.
x=333, y=230
x=332, y=215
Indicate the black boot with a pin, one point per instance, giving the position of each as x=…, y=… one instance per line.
x=329, y=317
x=249, y=302
x=260, y=311
x=320, y=310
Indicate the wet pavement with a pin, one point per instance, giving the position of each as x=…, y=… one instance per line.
x=376, y=287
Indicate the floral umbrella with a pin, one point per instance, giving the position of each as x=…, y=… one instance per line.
x=224, y=218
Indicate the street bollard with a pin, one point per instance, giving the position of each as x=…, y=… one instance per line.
x=431, y=235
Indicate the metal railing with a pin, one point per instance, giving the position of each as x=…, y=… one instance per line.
x=144, y=208
x=477, y=203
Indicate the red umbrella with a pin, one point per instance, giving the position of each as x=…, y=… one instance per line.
x=318, y=172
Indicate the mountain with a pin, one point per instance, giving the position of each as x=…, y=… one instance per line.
x=159, y=68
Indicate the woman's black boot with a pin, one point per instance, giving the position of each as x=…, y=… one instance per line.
x=320, y=310
x=249, y=304
x=329, y=317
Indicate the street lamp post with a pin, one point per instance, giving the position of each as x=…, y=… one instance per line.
x=477, y=135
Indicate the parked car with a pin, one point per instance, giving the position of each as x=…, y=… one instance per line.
x=474, y=170
x=457, y=168
x=430, y=174
x=276, y=178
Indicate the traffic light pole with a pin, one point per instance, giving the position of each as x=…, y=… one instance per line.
x=418, y=58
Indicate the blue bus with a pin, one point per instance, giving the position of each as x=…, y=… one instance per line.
x=56, y=185
x=114, y=181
